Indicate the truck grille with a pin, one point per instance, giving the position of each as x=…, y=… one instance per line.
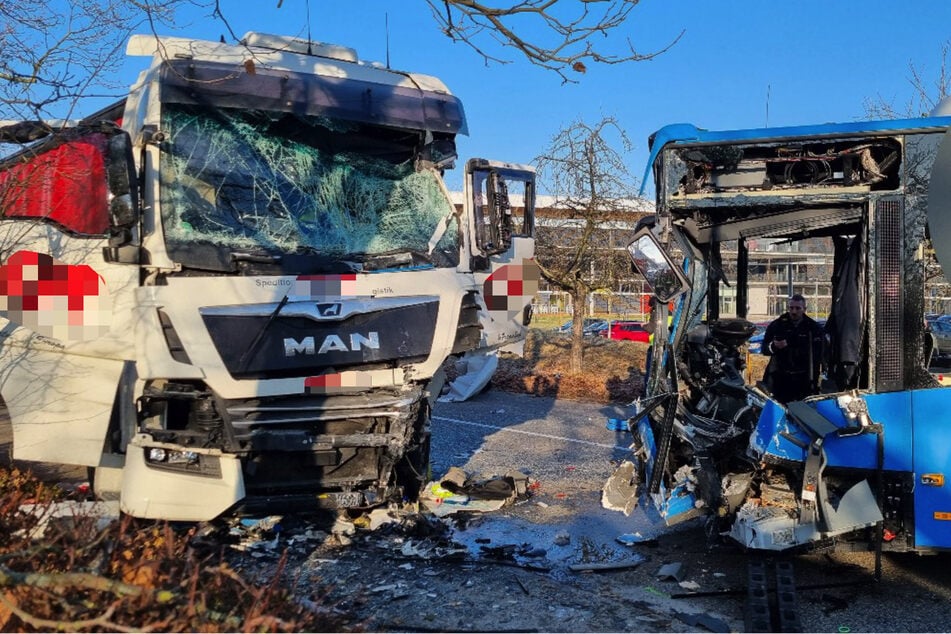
x=272, y=341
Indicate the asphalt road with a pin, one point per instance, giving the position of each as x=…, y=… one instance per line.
x=567, y=451
x=566, y=447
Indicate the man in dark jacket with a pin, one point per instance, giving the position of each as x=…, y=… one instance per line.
x=794, y=341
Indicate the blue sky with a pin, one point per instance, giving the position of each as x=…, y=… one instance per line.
x=816, y=61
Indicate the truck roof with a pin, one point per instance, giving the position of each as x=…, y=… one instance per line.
x=273, y=56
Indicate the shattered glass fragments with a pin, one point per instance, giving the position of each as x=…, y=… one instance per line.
x=241, y=180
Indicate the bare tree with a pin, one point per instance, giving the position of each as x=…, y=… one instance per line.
x=570, y=27
x=50, y=61
x=926, y=93
x=579, y=250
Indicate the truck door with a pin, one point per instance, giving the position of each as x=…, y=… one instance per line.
x=500, y=200
x=68, y=209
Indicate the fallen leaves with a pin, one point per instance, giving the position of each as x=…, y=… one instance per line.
x=612, y=370
x=129, y=575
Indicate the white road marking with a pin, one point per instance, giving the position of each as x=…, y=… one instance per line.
x=528, y=433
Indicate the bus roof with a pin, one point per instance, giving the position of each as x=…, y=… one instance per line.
x=687, y=135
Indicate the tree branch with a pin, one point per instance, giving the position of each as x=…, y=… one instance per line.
x=571, y=37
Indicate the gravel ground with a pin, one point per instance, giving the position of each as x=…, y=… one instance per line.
x=440, y=579
x=437, y=575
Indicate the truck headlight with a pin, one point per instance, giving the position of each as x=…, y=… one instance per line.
x=169, y=456
x=183, y=461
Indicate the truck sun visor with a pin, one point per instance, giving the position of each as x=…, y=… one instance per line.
x=196, y=82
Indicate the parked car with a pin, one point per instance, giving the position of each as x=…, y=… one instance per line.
x=588, y=321
x=755, y=343
x=596, y=328
x=627, y=330
x=942, y=338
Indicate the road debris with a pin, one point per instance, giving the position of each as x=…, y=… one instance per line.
x=671, y=572
x=459, y=491
x=620, y=490
x=70, y=511
x=633, y=539
x=562, y=538
x=608, y=567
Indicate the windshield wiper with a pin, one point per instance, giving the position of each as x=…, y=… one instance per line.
x=257, y=258
x=262, y=263
x=243, y=361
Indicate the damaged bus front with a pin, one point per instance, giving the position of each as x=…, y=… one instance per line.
x=235, y=290
x=863, y=462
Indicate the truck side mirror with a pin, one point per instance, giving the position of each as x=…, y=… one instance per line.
x=502, y=199
x=121, y=175
x=662, y=275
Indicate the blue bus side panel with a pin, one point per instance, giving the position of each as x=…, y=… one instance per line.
x=893, y=410
x=932, y=412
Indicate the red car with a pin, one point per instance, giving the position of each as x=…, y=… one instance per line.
x=629, y=330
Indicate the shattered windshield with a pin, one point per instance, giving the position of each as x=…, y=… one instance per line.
x=252, y=181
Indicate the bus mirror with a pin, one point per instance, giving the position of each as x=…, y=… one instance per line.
x=662, y=275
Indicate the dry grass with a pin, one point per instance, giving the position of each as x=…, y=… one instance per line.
x=613, y=370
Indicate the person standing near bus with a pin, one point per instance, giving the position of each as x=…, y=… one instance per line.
x=794, y=342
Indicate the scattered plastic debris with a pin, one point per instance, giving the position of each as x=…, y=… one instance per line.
x=632, y=539
x=706, y=621
x=458, y=491
x=562, y=538
x=671, y=572
x=608, y=566
x=475, y=371
x=620, y=491
x=69, y=511
x=617, y=424
x=653, y=590
x=376, y=518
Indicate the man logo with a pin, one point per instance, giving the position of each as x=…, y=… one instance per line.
x=329, y=310
x=331, y=343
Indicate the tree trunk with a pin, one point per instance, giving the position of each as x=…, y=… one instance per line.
x=578, y=297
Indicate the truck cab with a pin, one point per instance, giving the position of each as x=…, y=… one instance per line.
x=269, y=276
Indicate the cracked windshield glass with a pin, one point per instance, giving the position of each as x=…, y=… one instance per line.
x=252, y=181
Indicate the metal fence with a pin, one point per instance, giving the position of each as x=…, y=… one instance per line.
x=766, y=302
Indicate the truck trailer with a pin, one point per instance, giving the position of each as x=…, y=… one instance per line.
x=235, y=290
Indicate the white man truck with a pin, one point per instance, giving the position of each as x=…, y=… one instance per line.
x=234, y=291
